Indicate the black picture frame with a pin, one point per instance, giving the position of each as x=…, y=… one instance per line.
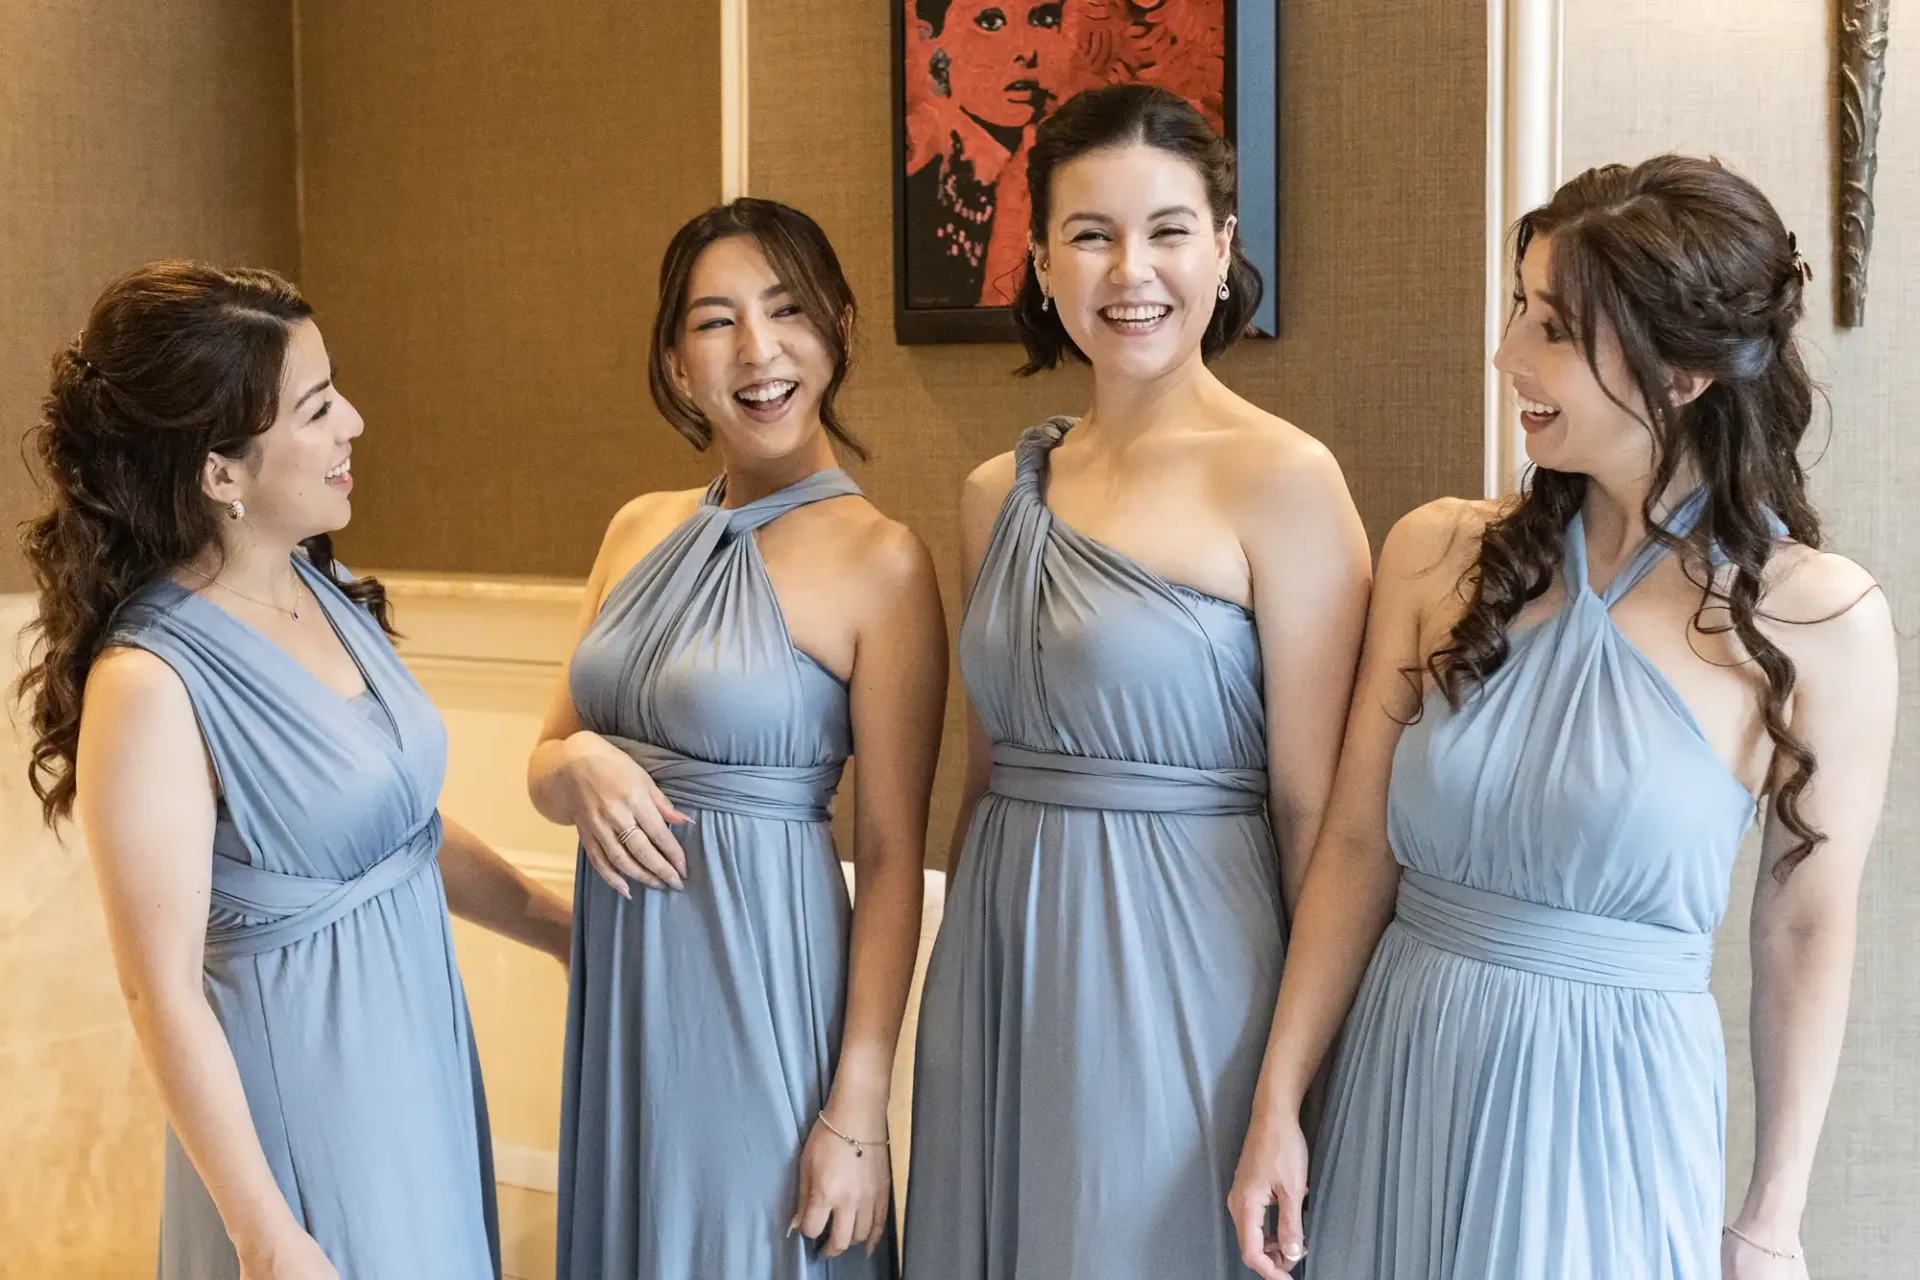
x=1251, y=110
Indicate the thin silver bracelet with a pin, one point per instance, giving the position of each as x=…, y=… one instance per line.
x=1738, y=1234
x=859, y=1147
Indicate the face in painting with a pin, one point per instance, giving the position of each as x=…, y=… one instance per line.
x=1010, y=59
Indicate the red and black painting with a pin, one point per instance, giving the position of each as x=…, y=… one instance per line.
x=973, y=79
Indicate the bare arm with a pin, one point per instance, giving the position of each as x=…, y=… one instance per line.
x=898, y=700
x=485, y=888
x=1349, y=894
x=981, y=498
x=1312, y=574
x=146, y=804
x=899, y=692
x=1803, y=929
x=577, y=778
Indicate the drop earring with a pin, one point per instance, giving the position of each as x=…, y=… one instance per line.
x=1046, y=302
x=1225, y=292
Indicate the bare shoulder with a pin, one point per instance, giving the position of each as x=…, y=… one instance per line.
x=987, y=485
x=1437, y=541
x=128, y=680
x=1823, y=608
x=650, y=512
x=136, y=701
x=1261, y=449
x=881, y=550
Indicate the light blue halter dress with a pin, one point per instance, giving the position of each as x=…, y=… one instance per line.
x=1532, y=1081
x=703, y=1025
x=329, y=955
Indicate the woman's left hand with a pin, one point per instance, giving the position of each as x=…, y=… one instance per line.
x=1740, y=1260
x=846, y=1192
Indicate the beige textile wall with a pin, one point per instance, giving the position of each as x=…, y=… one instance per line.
x=1382, y=128
x=1749, y=81
x=488, y=188
x=127, y=131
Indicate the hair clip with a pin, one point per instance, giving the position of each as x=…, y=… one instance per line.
x=1801, y=266
x=88, y=369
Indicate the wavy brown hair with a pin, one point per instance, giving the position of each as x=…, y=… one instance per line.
x=178, y=360
x=1688, y=265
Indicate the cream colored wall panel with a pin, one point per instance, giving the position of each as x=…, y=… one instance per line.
x=80, y=1121
x=1750, y=82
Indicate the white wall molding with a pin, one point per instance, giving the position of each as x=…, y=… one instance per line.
x=733, y=99
x=547, y=866
x=1524, y=58
x=527, y=1167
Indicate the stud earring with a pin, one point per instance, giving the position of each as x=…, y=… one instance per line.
x=236, y=509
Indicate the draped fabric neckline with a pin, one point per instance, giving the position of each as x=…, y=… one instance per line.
x=1583, y=597
x=304, y=682
x=1036, y=479
x=748, y=518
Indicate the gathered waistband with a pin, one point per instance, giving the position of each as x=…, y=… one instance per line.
x=1091, y=782
x=1576, y=945
x=301, y=906
x=790, y=793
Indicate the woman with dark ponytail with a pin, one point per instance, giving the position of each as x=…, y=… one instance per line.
x=258, y=777
x=1573, y=705
x=1166, y=602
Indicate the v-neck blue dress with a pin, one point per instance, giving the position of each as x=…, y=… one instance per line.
x=329, y=953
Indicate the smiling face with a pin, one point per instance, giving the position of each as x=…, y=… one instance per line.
x=1008, y=58
x=296, y=476
x=1571, y=422
x=747, y=357
x=1133, y=260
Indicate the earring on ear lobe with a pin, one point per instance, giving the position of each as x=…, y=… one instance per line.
x=1046, y=302
x=236, y=509
x=1225, y=292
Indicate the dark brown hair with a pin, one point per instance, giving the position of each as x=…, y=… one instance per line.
x=1121, y=116
x=1688, y=265
x=802, y=258
x=178, y=360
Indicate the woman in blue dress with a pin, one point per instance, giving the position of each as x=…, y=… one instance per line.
x=732, y=1019
x=1165, y=605
x=258, y=779
x=1571, y=705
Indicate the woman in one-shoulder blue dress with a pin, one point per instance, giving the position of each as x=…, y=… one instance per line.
x=732, y=1017
x=1151, y=744
x=258, y=777
x=1531, y=1081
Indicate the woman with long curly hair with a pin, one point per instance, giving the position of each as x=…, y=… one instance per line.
x=258, y=778
x=1572, y=707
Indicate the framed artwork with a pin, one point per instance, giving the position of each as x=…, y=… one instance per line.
x=971, y=79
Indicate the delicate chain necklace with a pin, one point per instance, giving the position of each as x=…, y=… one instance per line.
x=293, y=613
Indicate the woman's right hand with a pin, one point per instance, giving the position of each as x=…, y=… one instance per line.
x=613, y=797
x=292, y=1256
x=1272, y=1172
